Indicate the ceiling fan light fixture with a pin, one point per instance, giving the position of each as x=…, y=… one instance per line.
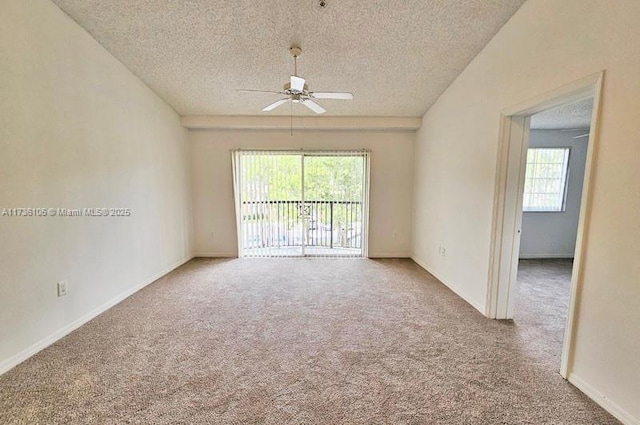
x=297, y=90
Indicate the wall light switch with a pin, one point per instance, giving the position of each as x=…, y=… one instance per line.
x=62, y=288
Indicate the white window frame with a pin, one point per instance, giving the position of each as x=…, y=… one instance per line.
x=563, y=183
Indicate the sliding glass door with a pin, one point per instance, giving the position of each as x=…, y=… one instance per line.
x=301, y=204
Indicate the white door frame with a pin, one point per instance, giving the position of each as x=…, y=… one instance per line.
x=509, y=187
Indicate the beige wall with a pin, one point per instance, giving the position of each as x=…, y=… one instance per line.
x=77, y=129
x=545, y=45
x=390, y=194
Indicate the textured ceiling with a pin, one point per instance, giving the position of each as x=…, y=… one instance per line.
x=396, y=57
x=571, y=115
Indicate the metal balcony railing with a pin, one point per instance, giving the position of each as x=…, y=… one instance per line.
x=327, y=224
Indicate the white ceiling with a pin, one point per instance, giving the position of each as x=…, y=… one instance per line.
x=396, y=57
x=570, y=115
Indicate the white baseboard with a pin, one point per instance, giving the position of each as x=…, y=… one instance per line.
x=229, y=254
x=389, y=255
x=604, y=402
x=23, y=355
x=475, y=304
x=543, y=256
x=215, y=254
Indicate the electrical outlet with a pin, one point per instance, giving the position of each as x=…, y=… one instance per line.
x=395, y=235
x=62, y=288
x=442, y=251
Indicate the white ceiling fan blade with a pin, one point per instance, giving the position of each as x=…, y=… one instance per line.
x=314, y=106
x=260, y=91
x=274, y=105
x=332, y=95
x=297, y=83
x=582, y=135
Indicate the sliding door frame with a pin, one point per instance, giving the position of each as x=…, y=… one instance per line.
x=238, y=184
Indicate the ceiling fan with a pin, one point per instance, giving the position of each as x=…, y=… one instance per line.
x=297, y=91
x=581, y=136
x=580, y=129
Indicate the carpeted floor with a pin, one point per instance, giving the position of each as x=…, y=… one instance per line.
x=301, y=341
x=542, y=303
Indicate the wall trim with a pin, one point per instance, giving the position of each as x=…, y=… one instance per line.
x=547, y=256
x=475, y=304
x=389, y=255
x=30, y=351
x=223, y=254
x=603, y=401
x=262, y=122
x=215, y=254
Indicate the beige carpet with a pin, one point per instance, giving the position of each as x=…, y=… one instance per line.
x=298, y=341
x=542, y=303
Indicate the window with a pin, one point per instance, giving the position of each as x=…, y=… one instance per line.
x=294, y=203
x=546, y=179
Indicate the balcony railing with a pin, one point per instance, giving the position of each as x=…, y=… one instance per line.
x=326, y=224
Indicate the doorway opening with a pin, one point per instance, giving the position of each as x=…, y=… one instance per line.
x=301, y=204
x=542, y=208
x=556, y=155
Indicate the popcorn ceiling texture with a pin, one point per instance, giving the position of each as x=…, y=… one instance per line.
x=396, y=57
x=571, y=115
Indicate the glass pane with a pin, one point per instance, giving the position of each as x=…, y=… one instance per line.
x=279, y=218
x=271, y=195
x=545, y=179
x=333, y=188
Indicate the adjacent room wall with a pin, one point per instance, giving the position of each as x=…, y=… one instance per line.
x=553, y=234
x=78, y=130
x=390, y=191
x=545, y=45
